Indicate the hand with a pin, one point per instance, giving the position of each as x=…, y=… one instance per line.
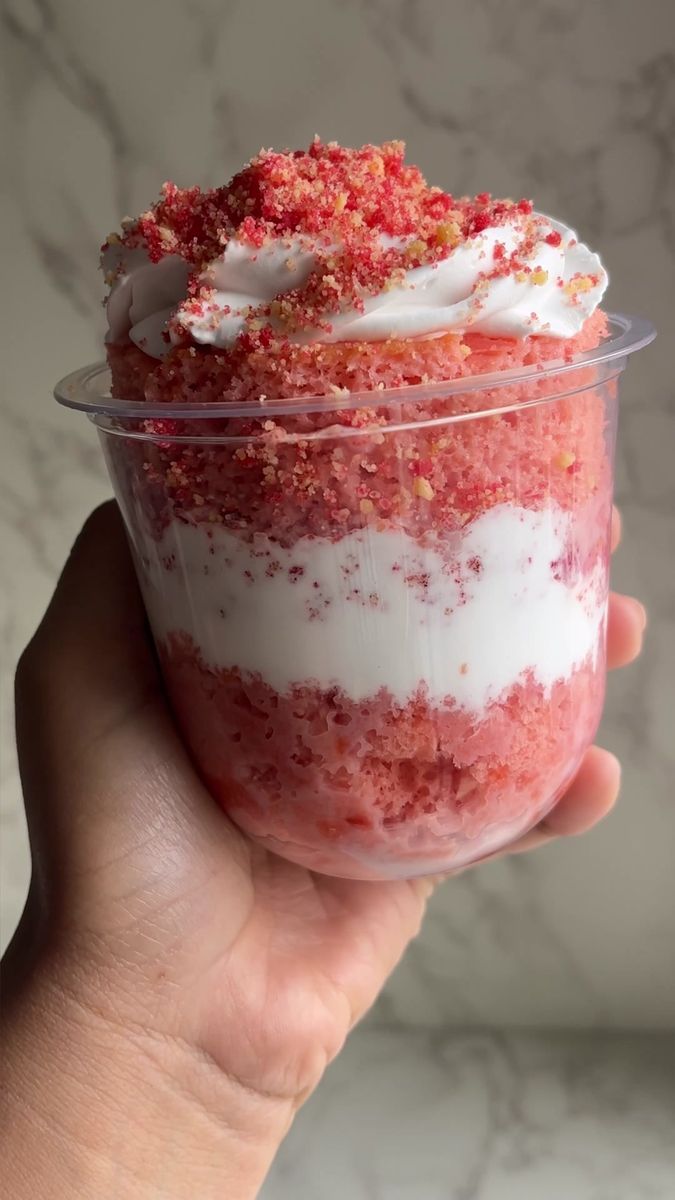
x=232, y=976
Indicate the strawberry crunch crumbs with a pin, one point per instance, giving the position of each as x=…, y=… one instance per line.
x=367, y=216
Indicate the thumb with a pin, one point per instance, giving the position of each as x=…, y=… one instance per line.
x=90, y=664
x=106, y=778
x=95, y=740
x=121, y=828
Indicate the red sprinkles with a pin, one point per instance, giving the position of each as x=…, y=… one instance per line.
x=339, y=201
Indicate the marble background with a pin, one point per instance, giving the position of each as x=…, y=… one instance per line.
x=570, y=101
x=484, y=1116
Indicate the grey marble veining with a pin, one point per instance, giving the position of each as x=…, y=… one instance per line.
x=570, y=101
x=414, y=1116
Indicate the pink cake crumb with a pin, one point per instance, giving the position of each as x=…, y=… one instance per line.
x=427, y=478
x=377, y=788
x=251, y=371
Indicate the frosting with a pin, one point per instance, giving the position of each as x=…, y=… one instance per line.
x=336, y=244
x=377, y=609
x=149, y=302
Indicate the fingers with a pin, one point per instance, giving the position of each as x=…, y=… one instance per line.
x=590, y=797
x=626, y=623
x=627, y=618
x=615, y=535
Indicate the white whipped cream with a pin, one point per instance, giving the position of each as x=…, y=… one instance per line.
x=376, y=609
x=452, y=295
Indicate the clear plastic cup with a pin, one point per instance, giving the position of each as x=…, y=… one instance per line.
x=380, y=616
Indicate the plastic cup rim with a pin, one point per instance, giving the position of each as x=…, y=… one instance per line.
x=88, y=388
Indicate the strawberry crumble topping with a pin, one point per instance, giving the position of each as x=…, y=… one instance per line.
x=366, y=216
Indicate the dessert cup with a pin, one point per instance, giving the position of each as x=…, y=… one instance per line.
x=380, y=615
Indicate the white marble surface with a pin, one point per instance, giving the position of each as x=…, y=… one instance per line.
x=570, y=101
x=420, y=1116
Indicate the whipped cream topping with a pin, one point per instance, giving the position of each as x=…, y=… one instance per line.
x=564, y=283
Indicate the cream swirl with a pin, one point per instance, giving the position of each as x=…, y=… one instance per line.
x=558, y=289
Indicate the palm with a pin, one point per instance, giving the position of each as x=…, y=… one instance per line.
x=180, y=900
x=261, y=945
x=310, y=959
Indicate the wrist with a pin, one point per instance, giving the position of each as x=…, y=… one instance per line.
x=97, y=1106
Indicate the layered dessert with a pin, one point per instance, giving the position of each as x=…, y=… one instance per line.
x=370, y=521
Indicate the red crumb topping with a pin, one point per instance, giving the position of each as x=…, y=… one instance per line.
x=341, y=201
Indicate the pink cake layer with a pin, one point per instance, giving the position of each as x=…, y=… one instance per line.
x=252, y=368
x=421, y=479
x=375, y=788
